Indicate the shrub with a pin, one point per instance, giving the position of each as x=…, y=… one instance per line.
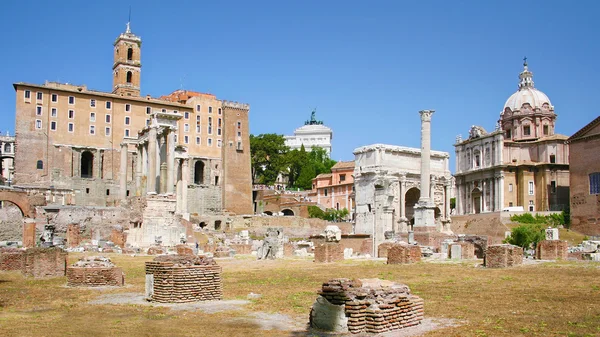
x=525, y=235
x=553, y=220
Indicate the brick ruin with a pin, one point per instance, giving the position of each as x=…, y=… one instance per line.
x=329, y=252
x=94, y=271
x=183, y=278
x=184, y=250
x=73, y=235
x=502, y=256
x=368, y=305
x=467, y=250
x=11, y=259
x=403, y=253
x=552, y=250
x=44, y=262
x=382, y=250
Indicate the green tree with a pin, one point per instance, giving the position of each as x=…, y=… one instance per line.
x=525, y=235
x=295, y=161
x=268, y=155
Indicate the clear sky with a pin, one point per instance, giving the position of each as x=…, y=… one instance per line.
x=367, y=66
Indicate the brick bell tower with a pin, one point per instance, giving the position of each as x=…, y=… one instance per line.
x=127, y=65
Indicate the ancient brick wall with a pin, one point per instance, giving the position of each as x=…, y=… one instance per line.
x=360, y=243
x=552, y=250
x=11, y=259
x=467, y=251
x=480, y=242
x=178, y=281
x=329, y=252
x=118, y=237
x=382, y=250
x=433, y=239
x=585, y=207
x=44, y=262
x=373, y=309
x=403, y=253
x=73, y=235
x=502, y=256
x=94, y=276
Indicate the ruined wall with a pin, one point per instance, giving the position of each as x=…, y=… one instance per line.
x=552, y=250
x=11, y=222
x=73, y=235
x=502, y=256
x=486, y=224
x=403, y=253
x=329, y=252
x=360, y=243
x=94, y=276
x=293, y=226
x=44, y=262
x=467, y=250
x=94, y=222
x=585, y=207
x=382, y=249
x=204, y=199
x=11, y=259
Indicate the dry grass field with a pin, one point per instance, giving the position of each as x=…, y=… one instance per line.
x=545, y=299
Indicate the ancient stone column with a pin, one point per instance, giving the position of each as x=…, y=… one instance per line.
x=170, y=161
x=501, y=192
x=179, y=187
x=123, y=173
x=425, y=208
x=138, y=171
x=447, y=192
x=29, y=233
x=402, y=221
x=152, y=149
x=185, y=175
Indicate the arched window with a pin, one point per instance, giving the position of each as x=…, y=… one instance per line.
x=129, y=76
x=40, y=165
x=130, y=54
x=7, y=148
x=87, y=164
x=199, y=173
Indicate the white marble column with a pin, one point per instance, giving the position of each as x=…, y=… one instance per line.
x=425, y=208
x=152, y=162
x=447, y=191
x=138, y=171
x=178, y=187
x=123, y=174
x=170, y=160
x=185, y=175
x=483, y=195
x=501, y=192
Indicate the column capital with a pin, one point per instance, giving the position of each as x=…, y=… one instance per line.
x=426, y=115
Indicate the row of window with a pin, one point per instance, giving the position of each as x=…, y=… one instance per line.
x=527, y=131
x=199, y=109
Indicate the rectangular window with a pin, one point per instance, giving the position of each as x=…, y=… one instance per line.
x=197, y=140
x=38, y=110
x=39, y=96
x=239, y=125
x=343, y=177
x=38, y=123
x=510, y=204
x=546, y=130
x=127, y=120
x=220, y=111
x=198, y=128
x=210, y=125
x=552, y=159
x=186, y=115
x=71, y=114
x=526, y=130
x=127, y=107
x=553, y=186
x=531, y=188
x=54, y=98
x=126, y=132
x=53, y=112
x=198, y=107
x=510, y=187
x=148, y=110
x=218, y=143
x=186, y=139
x=92, y=103
x=107, y=131
x=209, y=141
x=219, y=122
x=107, y=119
x=186, y=127
x=92, y=130
x=71, y=127
x=108, y=105
x=175, y=138
x=210, y=109
x=27, y=94
x=218, y=132
x=595, y=183
x=147, y=122
x=92, y=116
x=71, y=100
x=531, y=209
x=239, y=134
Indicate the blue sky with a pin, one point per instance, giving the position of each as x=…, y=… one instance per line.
x=367, y=66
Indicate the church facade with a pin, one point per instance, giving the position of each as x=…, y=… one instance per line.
x=105, y=147
x=522, y=165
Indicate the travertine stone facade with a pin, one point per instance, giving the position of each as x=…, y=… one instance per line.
x=328, y=252
x=523, y=162
x=502, y=256
x=387, y=182
x=11, y=259
x=44, y=262
x=401, y=253
x=369, y=305
x=179, y=279
x=552, y=250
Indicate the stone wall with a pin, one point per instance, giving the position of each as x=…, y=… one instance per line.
x=467, y=250
x=480, y=242
x=329, y=252
x=179, y=279
x=44, y=262
x=403, y=253
x=502, y=256
x=94, y=276
x=11, y=259
x=73, y=235
x=371, y=306
x=11, y=222
x=552, y=250
x=204, y=199
x=293, y=226
x=360, y=243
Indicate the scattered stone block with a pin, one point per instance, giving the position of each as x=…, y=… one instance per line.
x=94, y=271
x=370, y=305
x=502, y=256
x=552, y=250
x=329, y=252
x=44, y=262
x=403, y=253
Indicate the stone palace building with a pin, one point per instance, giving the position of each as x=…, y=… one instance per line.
x=312, y=134
x=101, y=148
x=522, y=163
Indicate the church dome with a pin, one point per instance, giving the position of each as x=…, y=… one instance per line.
x=527, y=94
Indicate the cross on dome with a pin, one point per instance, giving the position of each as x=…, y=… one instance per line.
x=526, y=76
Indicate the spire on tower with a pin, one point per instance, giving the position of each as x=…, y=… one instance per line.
x=128, y=31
